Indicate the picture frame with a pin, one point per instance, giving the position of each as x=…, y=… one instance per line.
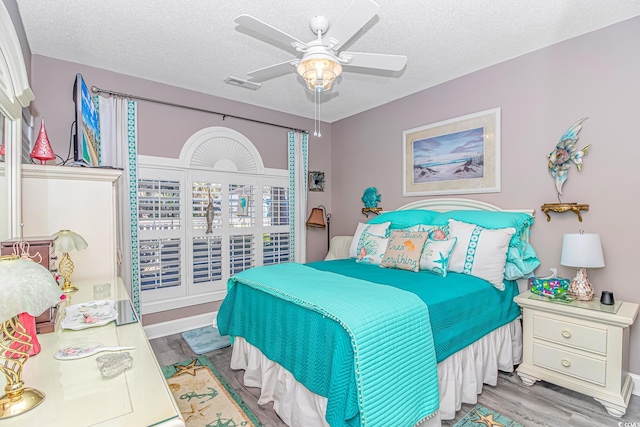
x=243, y=206
x=455, y=156
x=316, y=181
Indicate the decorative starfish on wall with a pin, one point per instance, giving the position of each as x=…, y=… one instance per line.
x=566, y=152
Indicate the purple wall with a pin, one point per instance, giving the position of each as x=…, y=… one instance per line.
x=162, y=130
x=540, y=95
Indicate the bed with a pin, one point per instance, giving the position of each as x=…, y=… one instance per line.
x=343, y=342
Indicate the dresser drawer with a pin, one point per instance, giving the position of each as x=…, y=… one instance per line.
x=568, y=363
x=570, y=334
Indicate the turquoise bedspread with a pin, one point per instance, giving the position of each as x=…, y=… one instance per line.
x=462, y=308
x=365, y=342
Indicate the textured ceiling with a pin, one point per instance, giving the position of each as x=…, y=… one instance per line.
x=196, y=44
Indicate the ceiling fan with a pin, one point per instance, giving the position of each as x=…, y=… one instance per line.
x=321, y=59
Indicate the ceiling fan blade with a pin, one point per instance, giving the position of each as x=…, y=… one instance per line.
x=357, y=14
x=273, y=71
x=380, y=61
x=267, y=30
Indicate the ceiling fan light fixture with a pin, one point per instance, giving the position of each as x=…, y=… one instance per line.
x=319, y=71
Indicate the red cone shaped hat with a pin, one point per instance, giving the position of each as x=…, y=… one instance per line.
x=42, y=149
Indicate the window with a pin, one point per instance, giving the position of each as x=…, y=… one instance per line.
x=213, y=213
x=192, y=241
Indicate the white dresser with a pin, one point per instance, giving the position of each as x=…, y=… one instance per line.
x=78, y=396
x=583, y=346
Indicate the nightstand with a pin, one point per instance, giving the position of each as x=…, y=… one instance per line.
x=581, y=345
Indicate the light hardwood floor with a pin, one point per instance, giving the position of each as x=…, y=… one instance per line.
x=542, y=405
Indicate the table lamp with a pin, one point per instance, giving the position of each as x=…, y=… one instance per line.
x=28, y=287
x=65, y=242
x=582, y=250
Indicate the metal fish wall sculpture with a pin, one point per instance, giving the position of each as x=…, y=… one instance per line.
x=209, y=214
x=566, y=152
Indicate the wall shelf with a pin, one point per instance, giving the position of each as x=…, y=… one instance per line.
x=564, y=207
x=374, y=211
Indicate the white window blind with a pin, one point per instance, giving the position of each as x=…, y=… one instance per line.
x=275, y=205
x=159, y=204
x=200, y=193
x=241, y=252
x=275, y=248
x=207, y=259
x=239, y=214
x=160, y=263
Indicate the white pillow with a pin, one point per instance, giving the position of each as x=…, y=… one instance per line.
x=381, y=230
x=479, y=251
x=436, y=255
x=372, y=249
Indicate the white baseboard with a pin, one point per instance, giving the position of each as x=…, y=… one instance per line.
x=158, y=330
x=636, y=384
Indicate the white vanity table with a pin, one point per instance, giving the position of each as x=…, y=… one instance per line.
x=76, y=393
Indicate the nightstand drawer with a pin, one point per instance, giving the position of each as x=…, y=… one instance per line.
x=570, y=334
x=568, y=363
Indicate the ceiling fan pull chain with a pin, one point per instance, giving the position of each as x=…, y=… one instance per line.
x=319, y=94
x=315, y=113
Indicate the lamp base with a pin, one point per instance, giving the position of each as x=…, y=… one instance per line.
x=30, y=399
x=68, y=289
x=580, y=288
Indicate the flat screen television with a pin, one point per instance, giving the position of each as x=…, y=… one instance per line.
x=86, y=146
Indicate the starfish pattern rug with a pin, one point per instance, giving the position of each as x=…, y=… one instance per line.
x=480, y=416
x=204, y=397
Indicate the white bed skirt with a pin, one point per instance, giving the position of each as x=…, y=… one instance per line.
x=460, y=377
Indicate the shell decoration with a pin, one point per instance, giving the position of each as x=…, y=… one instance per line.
x=371, y=198
x=565, y=153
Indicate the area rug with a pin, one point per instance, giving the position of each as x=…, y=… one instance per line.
x=205, y=339
x=481, y=416
x=204, y=397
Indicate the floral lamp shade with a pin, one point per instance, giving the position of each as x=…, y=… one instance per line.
x=27, y=286
x=67, y=241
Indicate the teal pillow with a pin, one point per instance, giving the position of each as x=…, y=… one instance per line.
x=405, y=219
x=492, y=220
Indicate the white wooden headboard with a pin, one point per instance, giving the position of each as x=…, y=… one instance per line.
x=451, y=204
x=339, y=246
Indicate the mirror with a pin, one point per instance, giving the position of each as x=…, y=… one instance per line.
x=4, y=186
x=15, y=94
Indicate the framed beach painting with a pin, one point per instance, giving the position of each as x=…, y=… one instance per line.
x=455, y=156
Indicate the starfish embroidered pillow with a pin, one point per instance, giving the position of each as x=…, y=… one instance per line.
x=435, y=256
x=404, y=249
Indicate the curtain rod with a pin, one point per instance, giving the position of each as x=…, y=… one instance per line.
x=97, y=90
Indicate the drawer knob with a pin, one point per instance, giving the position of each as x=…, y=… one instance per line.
x=566, y=363
x=566, y=334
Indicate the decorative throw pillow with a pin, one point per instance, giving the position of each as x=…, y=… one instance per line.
x=372, y=249
x=435, y=256
x=479, y=251
x=381, y=230
x=404, y=250
x=436, y=232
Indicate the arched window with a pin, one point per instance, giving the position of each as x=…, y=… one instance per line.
x=211, y=213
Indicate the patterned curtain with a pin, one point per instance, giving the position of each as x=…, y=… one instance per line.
x=119, y=148
x=298, y=158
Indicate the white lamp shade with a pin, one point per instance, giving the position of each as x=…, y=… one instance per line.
x=26, y=286
x=582, y=250
x=67, y=241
